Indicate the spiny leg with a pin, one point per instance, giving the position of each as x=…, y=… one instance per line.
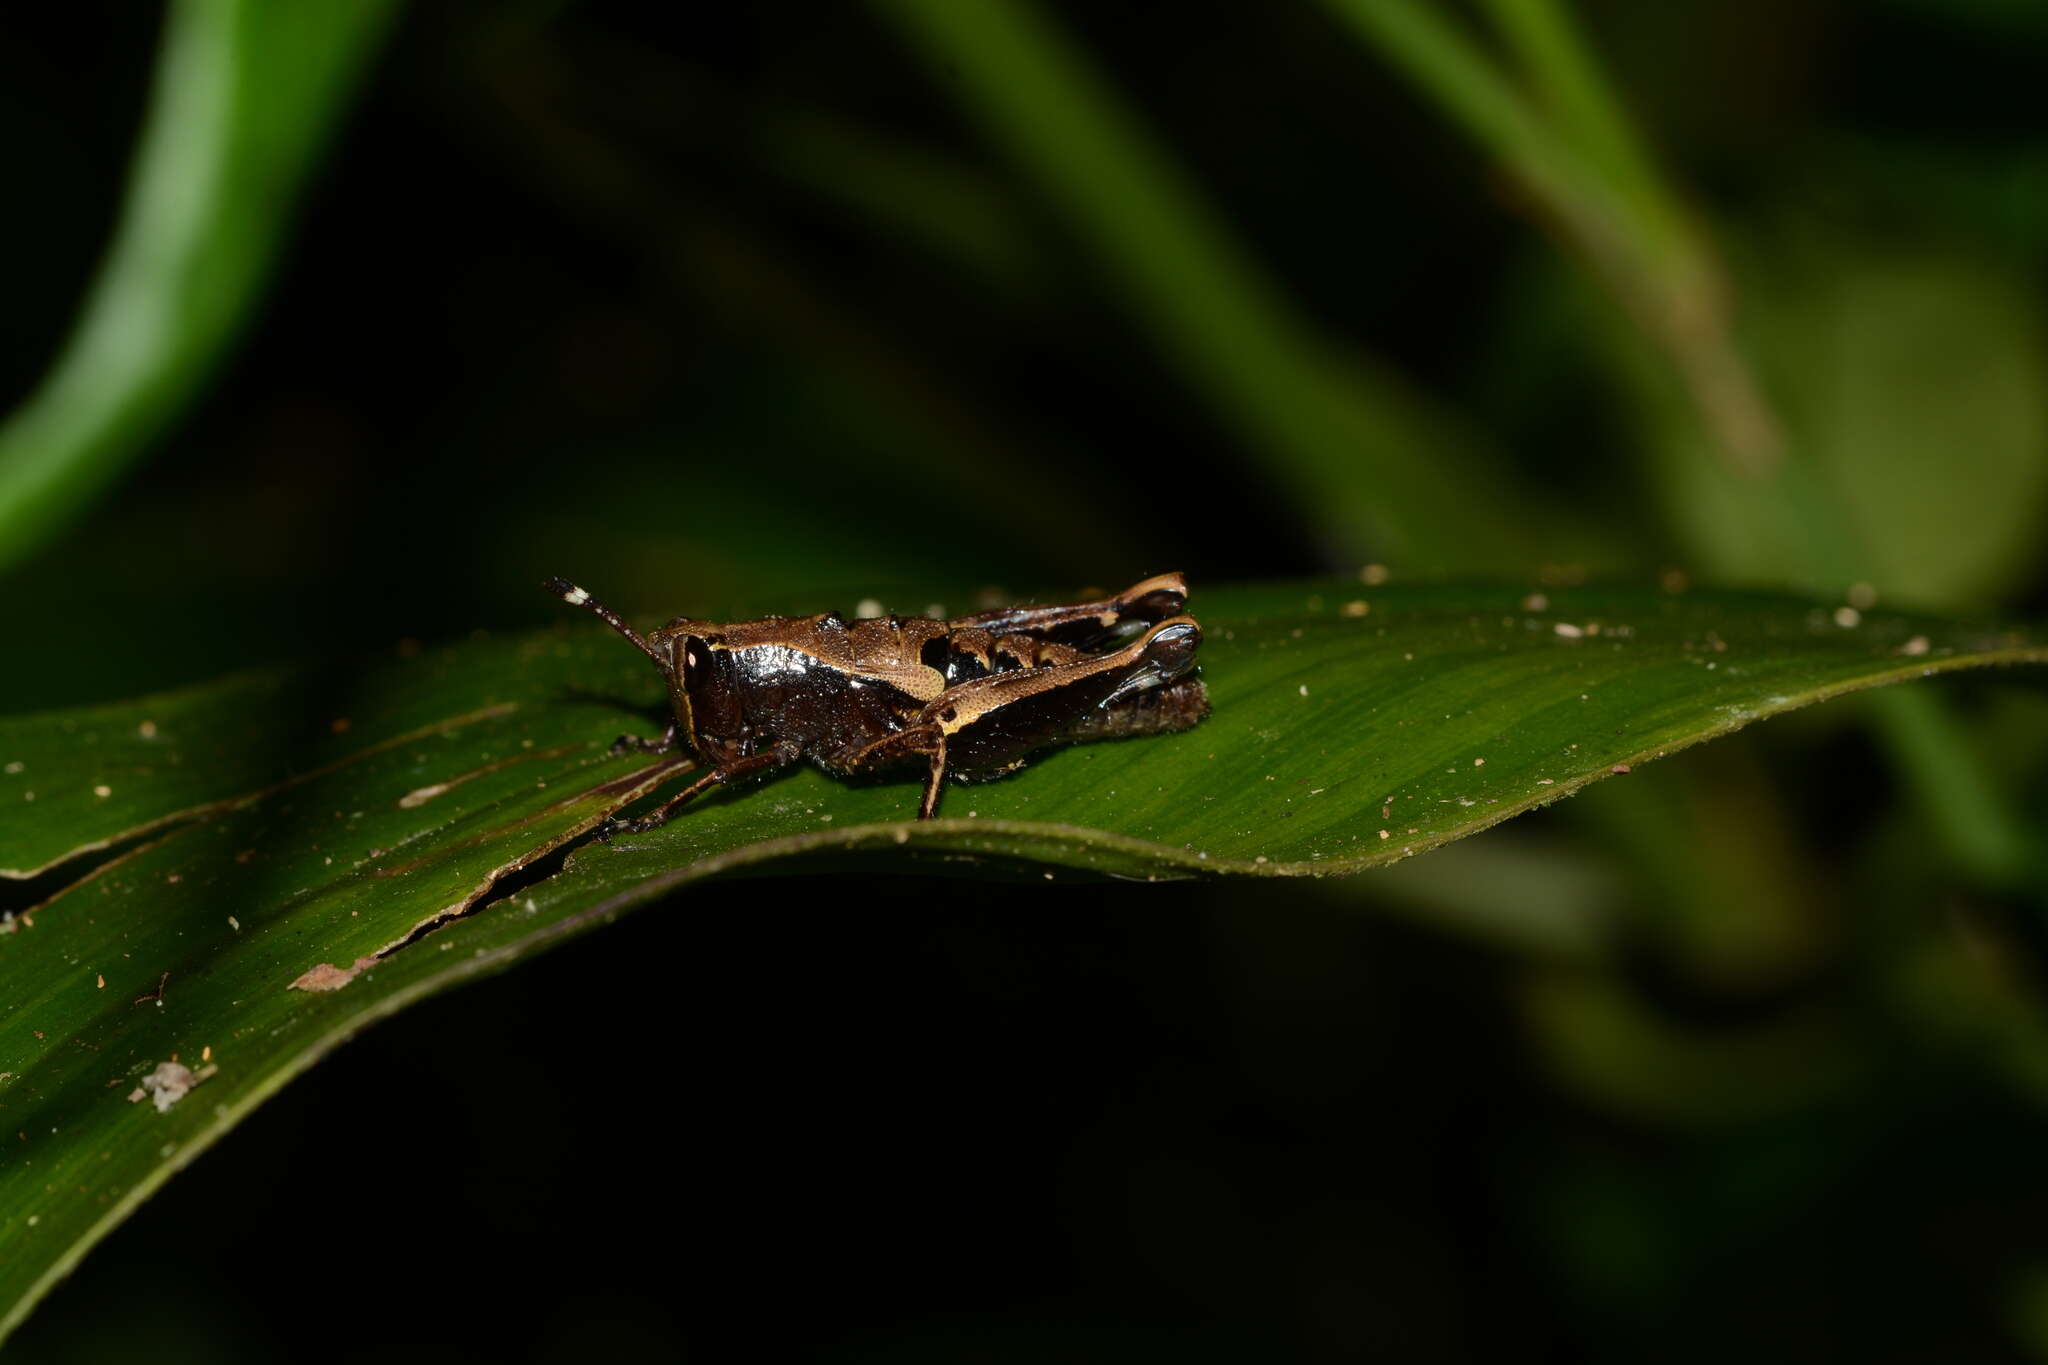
x=929, y=805
x=779, y=756
x=927, y=741
x=1085, y=624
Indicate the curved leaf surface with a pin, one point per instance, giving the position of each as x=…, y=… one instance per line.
x=286, y=858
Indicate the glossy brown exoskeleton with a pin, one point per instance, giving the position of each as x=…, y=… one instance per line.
x=973, y=696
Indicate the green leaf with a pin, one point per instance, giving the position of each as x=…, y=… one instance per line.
x=289, y=858
x=245, y=95
x=1882, y=356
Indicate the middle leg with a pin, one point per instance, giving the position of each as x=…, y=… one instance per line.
x=928, y=805
x=921, y=741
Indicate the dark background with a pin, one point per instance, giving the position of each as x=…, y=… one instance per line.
x=715, y=308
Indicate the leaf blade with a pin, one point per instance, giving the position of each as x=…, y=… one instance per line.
x=1429, y=712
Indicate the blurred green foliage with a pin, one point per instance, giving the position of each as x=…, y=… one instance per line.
x=775, y=306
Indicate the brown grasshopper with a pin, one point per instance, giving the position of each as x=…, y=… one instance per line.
x=973, y=696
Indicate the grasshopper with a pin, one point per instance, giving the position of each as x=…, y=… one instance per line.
x=972, y=697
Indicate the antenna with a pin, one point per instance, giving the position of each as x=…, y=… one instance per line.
x=576, y=597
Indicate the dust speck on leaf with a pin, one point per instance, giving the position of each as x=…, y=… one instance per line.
x=327, y=977
x=169, y=1083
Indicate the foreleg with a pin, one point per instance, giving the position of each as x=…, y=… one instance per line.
x=781, y=755
x=642, y=744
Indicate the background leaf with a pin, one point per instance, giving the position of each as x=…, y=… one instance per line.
x=246, y=95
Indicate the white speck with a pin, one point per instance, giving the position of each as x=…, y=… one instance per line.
x=867, y=609
x=1848, y=618
x=1478, y=762
x=1386, y=834
x=34, y=1219
x=1915, y=647
x=14, y=767
x=1304, y=689
x=902, y=836
x=1357, y=608
x=147, y=729
x=935, y=611
x=1545, y=782
x=1260, y=859
x=234, y=924
x=102, y=790
x=1568, y=630
x=1372, y=575
x=169, y=1083
x=575, y=597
